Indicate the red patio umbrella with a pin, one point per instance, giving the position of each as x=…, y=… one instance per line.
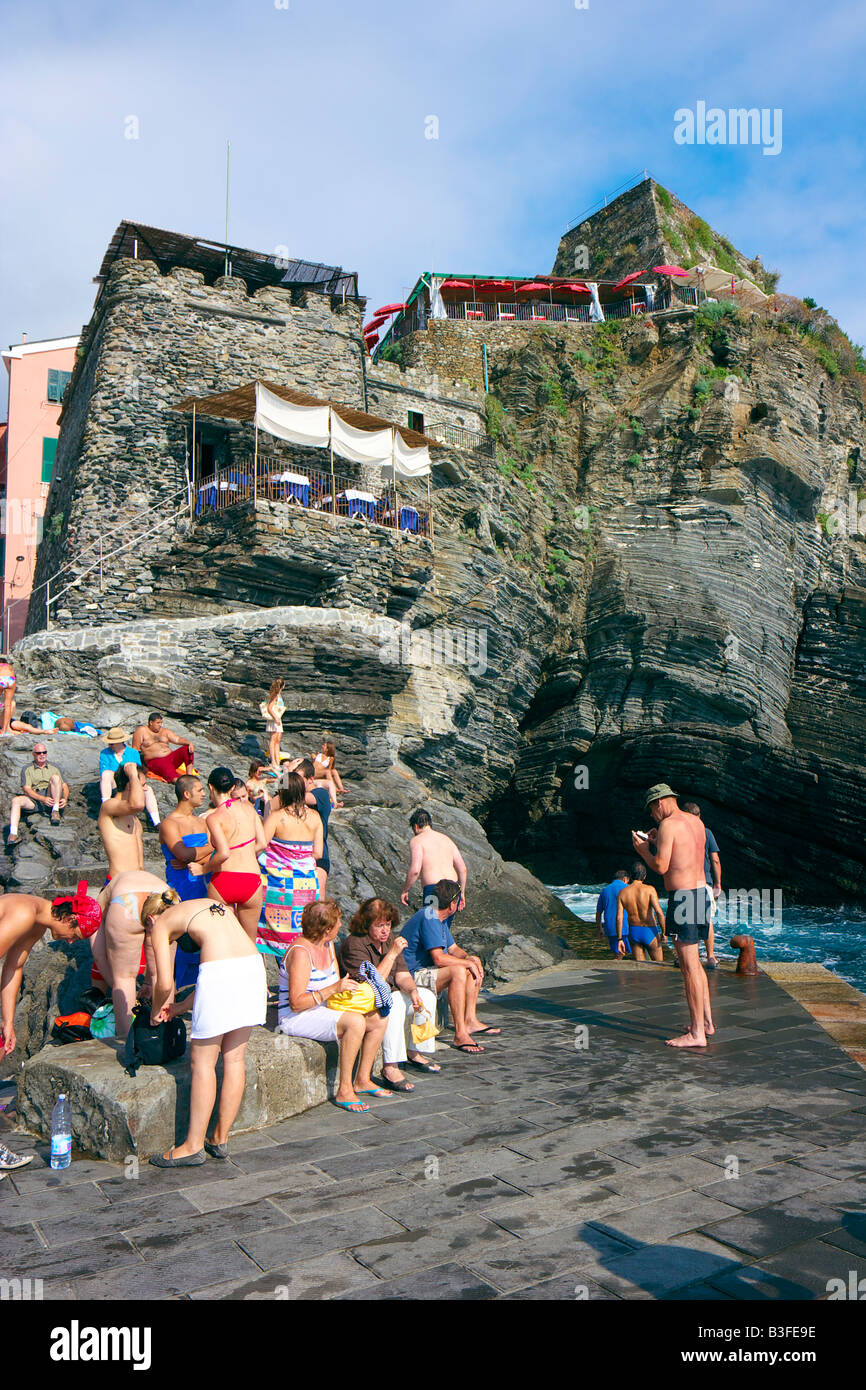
x=376, y=323
x=573, y=288
x=531, y=287
x=627, y=279
x=669, y=270
x=371, y=341
x=456, y=285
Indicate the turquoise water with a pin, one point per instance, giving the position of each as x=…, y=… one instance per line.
x=831, y=936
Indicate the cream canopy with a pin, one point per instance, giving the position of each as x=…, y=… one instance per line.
x=291, y=415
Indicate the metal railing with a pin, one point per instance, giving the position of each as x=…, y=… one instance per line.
x=462, y=438
x=114, y=540
x=311, y=490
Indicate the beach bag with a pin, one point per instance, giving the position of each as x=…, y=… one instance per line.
x=423, y=1032
x=72, y=1028
x=152, y=1044
x=353, y=1001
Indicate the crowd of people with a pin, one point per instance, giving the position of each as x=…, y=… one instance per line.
x=246, y=877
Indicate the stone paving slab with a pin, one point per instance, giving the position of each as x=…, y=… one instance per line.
x=539, y=1170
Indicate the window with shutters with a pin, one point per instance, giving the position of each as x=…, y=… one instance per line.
x=57, y=384
x=49, y=449
x=416, y=421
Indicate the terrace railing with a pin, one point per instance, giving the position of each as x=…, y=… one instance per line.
x=314, y=490
x=462, y=438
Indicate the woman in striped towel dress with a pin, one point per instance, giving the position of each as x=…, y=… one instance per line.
x=295, y=838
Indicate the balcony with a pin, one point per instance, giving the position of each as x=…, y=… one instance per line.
x=312, y=490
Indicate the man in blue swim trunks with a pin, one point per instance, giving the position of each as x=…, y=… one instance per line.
x=605, y=915
x=639, y=908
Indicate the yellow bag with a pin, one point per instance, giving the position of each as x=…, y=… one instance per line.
x=356, y=1001
x=425, y=1031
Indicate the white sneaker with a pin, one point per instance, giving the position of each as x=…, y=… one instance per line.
x=10, y=1161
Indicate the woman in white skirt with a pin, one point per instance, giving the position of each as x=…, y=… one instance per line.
x=230, y=1000
x=308, y=976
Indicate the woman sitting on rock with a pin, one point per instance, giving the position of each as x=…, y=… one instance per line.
x=371, y=938
x=7, y=686
x=327, y=775
x=308, y=976
x=230, y=1000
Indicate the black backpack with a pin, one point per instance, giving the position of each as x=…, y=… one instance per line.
x=152, y=1044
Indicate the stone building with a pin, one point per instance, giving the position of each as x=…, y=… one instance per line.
x=169, y=323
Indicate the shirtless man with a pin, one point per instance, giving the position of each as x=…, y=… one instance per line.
x=434, y=857
x=117, y=946
x=118, y=822
x=185, y=841
x=23, y=921
x=679, y=858
x=237, y=835
x=153, y=741
x=640, y=902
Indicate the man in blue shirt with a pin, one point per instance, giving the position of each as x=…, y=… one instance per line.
x=437, y=962
x=605, y=911
x=114, y=754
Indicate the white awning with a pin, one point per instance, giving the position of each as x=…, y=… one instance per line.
x=299, y=424
x=319, y=426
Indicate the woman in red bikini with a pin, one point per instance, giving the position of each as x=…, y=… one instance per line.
x=236, y=832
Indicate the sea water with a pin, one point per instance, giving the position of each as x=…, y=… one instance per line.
x=830, y=936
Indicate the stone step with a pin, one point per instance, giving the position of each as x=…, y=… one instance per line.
x=114, y=1114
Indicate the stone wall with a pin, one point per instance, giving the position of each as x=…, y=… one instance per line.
x=393, y=392
x=153, y=339
x=643, y=227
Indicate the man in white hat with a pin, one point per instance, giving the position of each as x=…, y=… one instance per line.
x=116, y=752
x=679, y=858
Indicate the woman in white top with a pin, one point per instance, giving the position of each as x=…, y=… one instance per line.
x=308, y=975
x=325, y=764
x=275, y=709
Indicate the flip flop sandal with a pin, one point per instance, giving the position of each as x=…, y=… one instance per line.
x=373, y=1091
x=422, y=1066
x=491, y=1032
x=397, y=1085
x=191, y=1161
x=471, y=1048
x=355, y=1106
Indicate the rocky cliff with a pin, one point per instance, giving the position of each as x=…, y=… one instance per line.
x=647, y=583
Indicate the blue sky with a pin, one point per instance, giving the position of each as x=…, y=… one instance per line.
x=542, y=108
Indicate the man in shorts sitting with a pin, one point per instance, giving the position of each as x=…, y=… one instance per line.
x=42, y=788
x=436, y=962
x=644, y=923
x=154, y=742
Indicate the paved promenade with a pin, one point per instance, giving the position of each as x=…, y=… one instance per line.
x=578, y=1158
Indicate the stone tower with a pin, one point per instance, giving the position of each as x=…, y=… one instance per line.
x=648, y=226
x=163, y=329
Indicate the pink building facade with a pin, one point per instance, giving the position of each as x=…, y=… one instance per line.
x=38, y=376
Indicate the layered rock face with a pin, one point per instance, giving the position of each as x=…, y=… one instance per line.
x=643, y=586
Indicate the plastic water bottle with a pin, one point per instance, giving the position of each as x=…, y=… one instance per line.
x=61, y=1134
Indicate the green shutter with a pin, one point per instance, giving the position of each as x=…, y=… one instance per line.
x=52, y=385
x=49, y=449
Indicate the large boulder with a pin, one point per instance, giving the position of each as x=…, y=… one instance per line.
x=114, y=1114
